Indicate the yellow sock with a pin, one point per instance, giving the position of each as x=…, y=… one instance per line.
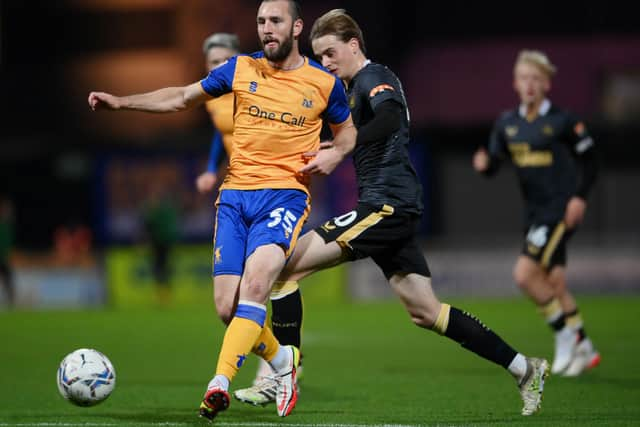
x=574, y=320
x=442, y=321
x=266, y=345
x=551, y=311
x=282, y=289
x=240, y=337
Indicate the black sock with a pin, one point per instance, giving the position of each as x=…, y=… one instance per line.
x=557, y=324
x=553, y=310
x=286, y=318
x=581, y=333
x=467, y=330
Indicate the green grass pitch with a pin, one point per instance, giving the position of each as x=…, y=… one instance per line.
x=365, y=364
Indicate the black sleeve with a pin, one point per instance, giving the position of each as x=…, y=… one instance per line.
x=378, y=86
x=386, y=120
x=588, y=173
x=582, y=147
x=496, y=149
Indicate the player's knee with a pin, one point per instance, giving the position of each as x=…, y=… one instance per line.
x=558, y=281
x=521, y=277
x=225, y=314
x=225, y=309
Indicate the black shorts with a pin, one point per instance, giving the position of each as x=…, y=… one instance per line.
x=547, y=243
x=388, y=237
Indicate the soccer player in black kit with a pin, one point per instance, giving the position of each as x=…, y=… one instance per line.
x=384, y=223
x=545, y=144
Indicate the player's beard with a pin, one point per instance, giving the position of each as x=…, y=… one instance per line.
x=282, y=51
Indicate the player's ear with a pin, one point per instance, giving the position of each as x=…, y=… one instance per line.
x=297, y=27
x=354, y=45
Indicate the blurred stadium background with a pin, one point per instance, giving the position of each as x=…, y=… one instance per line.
x=79, y=182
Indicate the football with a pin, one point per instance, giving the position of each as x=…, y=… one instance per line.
x=86, y=377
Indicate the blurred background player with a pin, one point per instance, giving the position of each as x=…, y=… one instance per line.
x=6, y=243
x=264, y=200
x=160, y=217
x=546, y=143
x=286, y=325
x=217, y=48
x=385, y=221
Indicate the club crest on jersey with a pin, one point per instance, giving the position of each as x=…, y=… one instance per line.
x=253, y=87
x=352, y=102
x=547, y=130
x=511, y=131
x=579, y=129
x=307, y=98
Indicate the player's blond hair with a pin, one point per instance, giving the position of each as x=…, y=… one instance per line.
x=336, y=22
x=538, y=59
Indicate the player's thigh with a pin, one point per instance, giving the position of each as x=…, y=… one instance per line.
x=527, y=270
x=312, y=253
x=557, y=277
x=230, y=237
x=403, y=255
x=261, y=269
x=545, y=243
x=276, y=217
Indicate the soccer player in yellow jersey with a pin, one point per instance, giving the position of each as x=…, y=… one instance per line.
x=218, y=48
x=286, y=319
x=281, y=98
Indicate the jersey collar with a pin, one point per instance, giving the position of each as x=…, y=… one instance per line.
x=364, y=65
x=545, y=106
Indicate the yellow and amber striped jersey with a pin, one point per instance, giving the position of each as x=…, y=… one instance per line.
x=278, y=116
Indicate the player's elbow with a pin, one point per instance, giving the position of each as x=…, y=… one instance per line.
x=175, y=100
x=177, y=104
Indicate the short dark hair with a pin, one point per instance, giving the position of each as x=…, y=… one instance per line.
x=336, y=22
x=294, y=8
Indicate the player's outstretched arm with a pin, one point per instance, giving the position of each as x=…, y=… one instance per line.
x=574, y=213
x=326, y=160
x=166, y=100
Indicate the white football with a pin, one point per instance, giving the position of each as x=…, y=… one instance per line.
x=86, y=377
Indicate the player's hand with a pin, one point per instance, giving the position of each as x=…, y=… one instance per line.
x=574, y=214
x=308, y=155
x=324, y=162
x=102, y=100
x=206, y=181
x=481, y=160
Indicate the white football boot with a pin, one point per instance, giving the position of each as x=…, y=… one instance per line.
x=532, y=385
x=586, y=357
x=566, y=342
x=287, y=393
x=264, y=387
